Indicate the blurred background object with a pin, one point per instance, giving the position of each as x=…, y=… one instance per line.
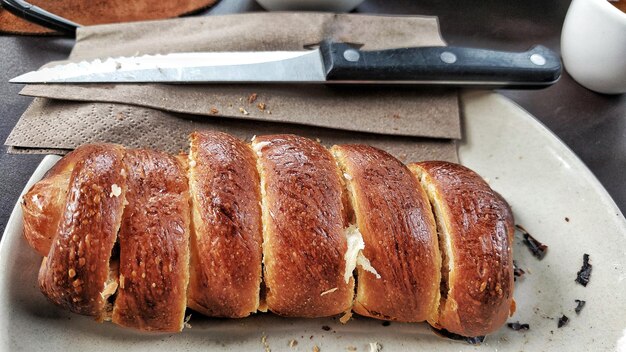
x=88, y=12
x=310, y=5
x=593, y=44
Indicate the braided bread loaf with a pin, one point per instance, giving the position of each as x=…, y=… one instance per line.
x=136, y=236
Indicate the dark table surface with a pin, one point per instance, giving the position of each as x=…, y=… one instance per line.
x=592, y=125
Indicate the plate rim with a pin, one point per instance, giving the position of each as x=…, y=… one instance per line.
x=533, y=122
x=540, y=126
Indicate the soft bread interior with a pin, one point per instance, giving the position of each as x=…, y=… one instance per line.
x=114, y=280
x=184, y=160
x=111, y=284
x=354, y=253
x=195, y=220
x=185, y=164
x=355, y=259
x=257, y=147
x=443, y=233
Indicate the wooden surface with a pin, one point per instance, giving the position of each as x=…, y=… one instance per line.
x=591, y=124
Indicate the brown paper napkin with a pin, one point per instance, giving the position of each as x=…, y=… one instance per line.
x=394, y=111
x=363, y=114
x=139, y=127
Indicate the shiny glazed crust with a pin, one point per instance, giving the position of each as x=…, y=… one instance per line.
x=194, y=231
x=154, y=244
x=394, y=217
x=43, y=205
x=76, y=273
x=226, y=242
x=304, y=219
x=476, y=232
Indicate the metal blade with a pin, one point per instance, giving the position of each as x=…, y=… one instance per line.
x=224, y=67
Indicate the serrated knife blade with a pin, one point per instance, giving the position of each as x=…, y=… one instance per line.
x=270, y=66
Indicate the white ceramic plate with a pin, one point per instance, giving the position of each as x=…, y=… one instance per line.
x=541, y=178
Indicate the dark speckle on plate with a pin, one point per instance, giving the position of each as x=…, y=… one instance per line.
x=517, y=271
x=517, y=326
x=477, y=340
x=584, y=274
x=537, y=248
x=563, y=321
x=580, y=304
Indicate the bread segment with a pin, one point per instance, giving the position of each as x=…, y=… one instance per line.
x=304, y=218
x=43, y=204
x=226, y=242
x=76, y=273
x=399, y=273
x=154, y=244
x=476, y=231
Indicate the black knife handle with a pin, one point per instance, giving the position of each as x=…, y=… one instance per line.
x=538, y=67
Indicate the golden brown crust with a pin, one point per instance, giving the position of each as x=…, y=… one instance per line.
x=298, y=190
x=476, y=229
x=398, y=228
x=76, y=271
x=154, y=244
x=44, y=203
x=304, y=220
x=226, y=242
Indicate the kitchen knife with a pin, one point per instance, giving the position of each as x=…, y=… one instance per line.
x=329, y=63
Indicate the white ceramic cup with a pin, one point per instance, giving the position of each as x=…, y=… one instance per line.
x=593, y=45
x=310, y=5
